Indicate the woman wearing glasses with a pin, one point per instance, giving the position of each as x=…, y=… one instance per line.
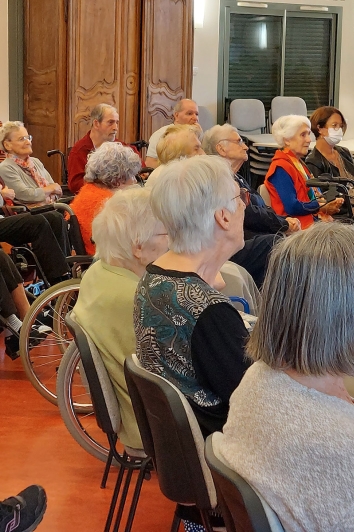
x=24, y=174
x=186, y=330
x=287, y=174
x=329, y=125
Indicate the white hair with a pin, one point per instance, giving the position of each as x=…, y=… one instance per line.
x=214, y=135
x=186, y=196
x=6, y=130
x=286, y=127
x=112, y=164
x=126, y=219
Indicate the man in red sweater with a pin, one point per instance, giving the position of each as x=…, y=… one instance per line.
x=104, y=127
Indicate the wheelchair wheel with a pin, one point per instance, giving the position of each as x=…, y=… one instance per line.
x=41, y=351
x=74, y=402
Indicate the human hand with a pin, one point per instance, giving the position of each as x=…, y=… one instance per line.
x=294, y=225
x=7, y=193
x=333, y=207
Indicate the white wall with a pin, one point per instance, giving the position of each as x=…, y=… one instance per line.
x=4, y=65
x=206, y=43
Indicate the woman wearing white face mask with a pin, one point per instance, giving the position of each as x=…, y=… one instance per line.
x=329, y=125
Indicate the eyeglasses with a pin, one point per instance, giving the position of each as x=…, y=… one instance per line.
x=244, y=195
x=336, y=127
x=238, y=141
x=22, y=139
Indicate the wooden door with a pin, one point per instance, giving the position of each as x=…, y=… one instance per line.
x=45, y=78
x=167, y=59
x=104, y=63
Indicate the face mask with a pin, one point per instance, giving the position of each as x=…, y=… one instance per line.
x=334, y=136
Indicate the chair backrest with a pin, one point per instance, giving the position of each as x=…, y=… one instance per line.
x=263, y=191
x=206, y=119
x=240, y=283
x=242, y=508
x=287, y=105
x=171, y=436
x=104, y=399
x=248, y=116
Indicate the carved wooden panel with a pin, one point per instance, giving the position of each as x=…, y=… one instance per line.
x=44, y=78
x=104, y=63
x=167, y=34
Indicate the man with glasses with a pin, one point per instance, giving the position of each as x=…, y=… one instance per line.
x=261, y=223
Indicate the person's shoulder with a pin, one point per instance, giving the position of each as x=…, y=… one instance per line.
x=82, y=143
x=159, y=132
x=344, y=152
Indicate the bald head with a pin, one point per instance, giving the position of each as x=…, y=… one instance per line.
x=186, y=112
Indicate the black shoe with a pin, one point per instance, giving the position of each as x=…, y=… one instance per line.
x=46, y=317
x=24, y=512
x=38, y=334
x=12, y=347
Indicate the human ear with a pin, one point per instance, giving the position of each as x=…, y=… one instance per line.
x=222, y=218
x=137, y=251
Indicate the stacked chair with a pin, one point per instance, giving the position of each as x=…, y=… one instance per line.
x=248, y=116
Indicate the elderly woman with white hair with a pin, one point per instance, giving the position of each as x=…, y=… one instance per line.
x=110, y=168
x=290, y=429
x=22, y=173
x=127, y=237
x=186, y=330
x=287, y=174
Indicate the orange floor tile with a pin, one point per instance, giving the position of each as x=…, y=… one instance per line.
x=35, y=447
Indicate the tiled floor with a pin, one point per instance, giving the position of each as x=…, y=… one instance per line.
x=35, y=447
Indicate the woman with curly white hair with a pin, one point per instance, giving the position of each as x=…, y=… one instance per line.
x=287, y=174
x=111, y=167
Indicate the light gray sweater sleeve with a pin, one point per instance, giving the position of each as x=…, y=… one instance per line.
x=25, y=188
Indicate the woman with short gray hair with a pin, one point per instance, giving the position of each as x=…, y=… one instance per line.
x=287, y=174
x=186, y=330
x=290, y=428
x=128, y=237
x=109, y=168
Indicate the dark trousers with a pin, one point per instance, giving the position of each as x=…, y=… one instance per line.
x=48, y=235
x=9, y=281
x=254, y=256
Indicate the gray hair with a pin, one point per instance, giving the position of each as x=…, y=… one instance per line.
x=307, y=312
x=125, y=219
x=6, y=130
x=186, y=196
x=99, y=110
x=112, y=164
x=179, y=105
x=286, y=127
x=214, y=135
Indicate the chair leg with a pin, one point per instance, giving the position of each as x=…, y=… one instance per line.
x=206, y=520
x=114, y=498
x=144, y=465
x=176, y=521
x=123, y=499
x=106, y=469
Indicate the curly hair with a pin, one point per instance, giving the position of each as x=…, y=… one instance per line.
x=112, y=164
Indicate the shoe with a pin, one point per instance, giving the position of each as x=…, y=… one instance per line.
x=24, y=512
x=12, y=346
x=46, y=316
x=38, y=334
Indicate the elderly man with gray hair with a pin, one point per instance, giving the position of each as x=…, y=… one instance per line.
x=104, y=127
x=185, y=112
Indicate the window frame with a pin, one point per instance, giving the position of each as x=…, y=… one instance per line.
x=282, y=10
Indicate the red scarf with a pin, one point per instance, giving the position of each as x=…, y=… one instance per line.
x=28, y=167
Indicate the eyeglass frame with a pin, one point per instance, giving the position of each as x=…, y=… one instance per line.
x=240, y=141
x=21, y=139
x=244, y=195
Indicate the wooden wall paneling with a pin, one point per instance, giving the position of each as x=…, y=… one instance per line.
x=167, y=60
x=45, y=78
x=104, y=63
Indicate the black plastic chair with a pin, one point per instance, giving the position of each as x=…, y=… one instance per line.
x=172, y=437
x=107, y=412
x=243, y=510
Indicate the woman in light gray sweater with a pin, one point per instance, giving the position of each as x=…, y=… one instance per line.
x=290, y=429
